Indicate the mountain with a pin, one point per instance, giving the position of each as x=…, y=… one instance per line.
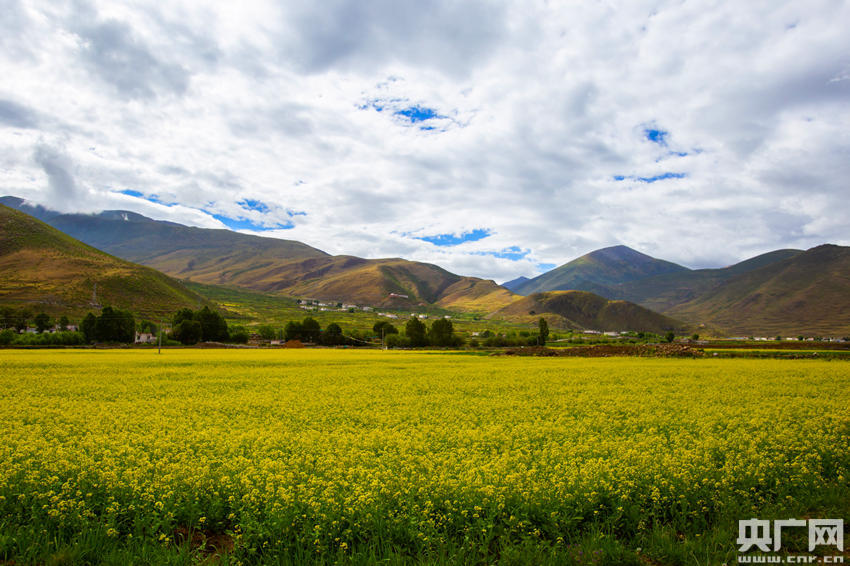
x=515, y=284
x=600, y=271
x=807, y=292
x=174, y=248
x=44, y=269
x=585, y=310
x=223, y=257
x=664, y=292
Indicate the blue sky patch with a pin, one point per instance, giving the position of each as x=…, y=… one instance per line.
x=513, y=253
x=245, y=224
x=652, y=179
x=453, y=240
x=544, y=267
x=418, y=113
x=656, y=136
x=250, y=204
x=662, y=177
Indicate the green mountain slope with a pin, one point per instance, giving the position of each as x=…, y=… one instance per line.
x=584, y=310
x=599, y=271
x=44, y=269
x=806, y=293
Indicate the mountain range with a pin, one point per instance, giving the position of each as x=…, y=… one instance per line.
x=781, y=292
x=223, y=257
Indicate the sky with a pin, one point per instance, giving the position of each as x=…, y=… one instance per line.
x=495, y=139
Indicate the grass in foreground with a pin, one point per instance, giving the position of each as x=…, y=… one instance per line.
x=355, y=457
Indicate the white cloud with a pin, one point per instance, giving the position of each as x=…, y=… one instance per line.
x=541, y=106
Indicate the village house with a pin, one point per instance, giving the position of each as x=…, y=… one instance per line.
x=145, y=338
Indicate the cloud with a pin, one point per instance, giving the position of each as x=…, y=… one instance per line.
x=17, y=116
x=112, y=52
x=699, y=136
x=450, y=37
x=62, y=188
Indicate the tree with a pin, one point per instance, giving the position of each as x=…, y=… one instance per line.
x=183, y=314
x=332, y=336
x=669, y=336
x=415, y=331
x=310, y=329
x=21, y=319
x=441, y=332
x=148, y=326
x=384, y=328
x=292, y=331
x=42, y=322
x=213, y=325
x=543, y=330
x=114, y=325
x=63, y=323
x=238, y=335
x=188, y=331
x=7, y=317
x=267, y=332
x=88, y=327
x=397, y=341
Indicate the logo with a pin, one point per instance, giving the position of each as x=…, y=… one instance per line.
x=757, y=534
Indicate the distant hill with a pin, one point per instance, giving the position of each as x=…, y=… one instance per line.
x=585, y=310
x=223, y=257
x=515, y=284
x=44, y=269
x=600, y=271
x=807, y=293
x=732, y=300
x=662, y=293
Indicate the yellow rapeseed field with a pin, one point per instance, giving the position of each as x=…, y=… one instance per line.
x=325, y=453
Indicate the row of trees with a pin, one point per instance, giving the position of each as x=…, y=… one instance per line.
x=309, y=330
x=20, y=319
x=112, y=325
x=417, y=334
x=204, y=325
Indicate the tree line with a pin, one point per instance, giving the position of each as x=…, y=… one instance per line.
x=415, y=334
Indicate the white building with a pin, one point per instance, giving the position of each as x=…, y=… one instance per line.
x=145, y=338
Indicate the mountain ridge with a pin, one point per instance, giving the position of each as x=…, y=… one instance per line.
x=272, y=265
x=807, y=292
x=598, y=271
x=744, y=298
